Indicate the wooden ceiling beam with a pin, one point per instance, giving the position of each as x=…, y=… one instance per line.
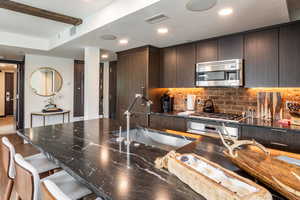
x=25, y=9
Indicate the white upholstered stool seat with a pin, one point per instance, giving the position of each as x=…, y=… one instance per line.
x=64, y=187
x=41, y=163
x=38, y=161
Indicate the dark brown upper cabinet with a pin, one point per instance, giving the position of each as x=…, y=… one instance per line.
x=289, y=68
x=207, y=50
x=186, y=62
x=261, y=58
x=168, y=67
x=231, y=47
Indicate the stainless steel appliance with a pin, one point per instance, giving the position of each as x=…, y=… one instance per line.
x=211, y=129
x=223, y=117
x=227, y=73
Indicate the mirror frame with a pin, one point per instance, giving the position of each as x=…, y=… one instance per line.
x=49, y=68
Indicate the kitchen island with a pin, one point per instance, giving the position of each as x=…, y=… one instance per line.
x=88, y=150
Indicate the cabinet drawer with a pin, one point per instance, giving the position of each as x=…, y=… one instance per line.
x=166, y=122
x=273, y=138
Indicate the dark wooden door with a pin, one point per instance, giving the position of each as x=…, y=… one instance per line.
x=9, y=93
x=168, y=67
x=112, y=89
x=78, y=89
x=231, y=47
x=186, y=64
x=20, y=96
x=289, y=68
x=101, y=74
x=207, y=50
x=261, y=59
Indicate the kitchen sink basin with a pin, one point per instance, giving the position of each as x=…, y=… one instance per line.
x=157, y=139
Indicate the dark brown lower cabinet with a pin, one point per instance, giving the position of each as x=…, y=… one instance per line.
x=78, y=88
x=165, y=122
x=282, y=139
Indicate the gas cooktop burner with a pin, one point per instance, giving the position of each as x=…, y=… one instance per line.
x=219, y=116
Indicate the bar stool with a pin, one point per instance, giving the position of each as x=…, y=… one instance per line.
x=40, y=162
x=62, y=185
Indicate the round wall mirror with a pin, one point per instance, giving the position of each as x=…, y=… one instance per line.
x=46, y=82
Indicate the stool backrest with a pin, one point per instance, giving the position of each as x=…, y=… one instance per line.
x=8, y=152
x=50, y=191
x=27, y=179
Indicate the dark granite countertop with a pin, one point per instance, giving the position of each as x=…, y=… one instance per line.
x=246, y=122
x=89, y=152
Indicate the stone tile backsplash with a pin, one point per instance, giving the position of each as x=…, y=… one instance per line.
x=231, y=100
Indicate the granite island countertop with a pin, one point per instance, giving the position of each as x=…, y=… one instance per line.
x=88, y=151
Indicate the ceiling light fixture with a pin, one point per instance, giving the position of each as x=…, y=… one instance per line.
x=162, y=30
x=108, y=37
x=104, y=56
x=202, y=5
x=225, y=12
x=123, y=41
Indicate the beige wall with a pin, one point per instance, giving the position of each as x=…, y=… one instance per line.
x=35, y=103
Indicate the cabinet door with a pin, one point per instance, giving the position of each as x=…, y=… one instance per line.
x=166, y=122
x=78, y=89
x=261, y=59
x=112, y=89
x=274, y=138
x=122, y=87
x=207, y=51
x=231, y=47
x=168, y=67
x=186, y=63
x=289, y=69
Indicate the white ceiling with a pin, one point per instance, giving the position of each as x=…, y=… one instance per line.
x=34, y=26
x=183, y=25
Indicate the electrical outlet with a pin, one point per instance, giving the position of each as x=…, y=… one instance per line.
x=200, y=101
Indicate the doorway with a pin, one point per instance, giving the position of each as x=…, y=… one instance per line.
x=11, y=96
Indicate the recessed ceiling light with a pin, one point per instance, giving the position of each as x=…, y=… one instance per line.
x=123, y=41
x=104, y=56
x=108, y=37
x=226, y=11
x=162, y=30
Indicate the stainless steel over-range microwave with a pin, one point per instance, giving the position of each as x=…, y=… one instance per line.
x=225, y=73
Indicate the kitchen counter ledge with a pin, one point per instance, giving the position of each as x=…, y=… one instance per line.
x=246, y=122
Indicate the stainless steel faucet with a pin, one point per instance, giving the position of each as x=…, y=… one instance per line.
x=131, y=106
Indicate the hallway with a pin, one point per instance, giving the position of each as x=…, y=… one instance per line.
x=7, y=125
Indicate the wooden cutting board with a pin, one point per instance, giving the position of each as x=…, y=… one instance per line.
x=269, y=170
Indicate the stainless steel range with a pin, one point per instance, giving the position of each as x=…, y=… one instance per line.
x=226, y=117
x=213, y=122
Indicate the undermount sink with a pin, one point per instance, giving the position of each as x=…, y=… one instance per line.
x=157, y=139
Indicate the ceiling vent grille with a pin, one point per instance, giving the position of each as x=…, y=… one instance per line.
x=156, y=19
x=73, y=31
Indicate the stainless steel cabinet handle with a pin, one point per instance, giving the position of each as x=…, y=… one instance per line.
x=279, y=144
x=279, y=130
